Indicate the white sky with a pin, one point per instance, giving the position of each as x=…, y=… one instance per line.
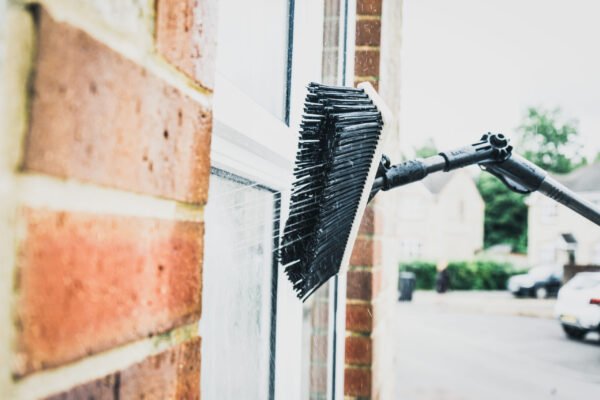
x=473, y=66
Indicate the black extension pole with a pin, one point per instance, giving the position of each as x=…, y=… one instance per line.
x=494, y=155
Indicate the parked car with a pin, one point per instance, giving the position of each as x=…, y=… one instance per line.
x=578, y=305
x=539, y=282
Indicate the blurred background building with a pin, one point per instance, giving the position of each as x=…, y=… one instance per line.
x=557, y=235
x=441, y=218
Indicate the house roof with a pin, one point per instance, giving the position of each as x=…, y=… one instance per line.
x=584, y=179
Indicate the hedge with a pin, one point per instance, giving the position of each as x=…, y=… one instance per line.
x=464, y=275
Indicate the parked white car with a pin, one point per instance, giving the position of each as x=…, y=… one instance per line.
x=578, y=305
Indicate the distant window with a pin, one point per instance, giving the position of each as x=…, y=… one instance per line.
x=253, y=50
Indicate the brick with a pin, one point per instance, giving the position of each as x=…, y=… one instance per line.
x=99, y=389
x=359, y=350
x=368, y=7
x=362, y=253
x=173, y=374
x=359, y=318
x=367, y=225
x=133, y=20
x=90, y=282
x=381, y=215
x=366, y=252
x=320, y=314
x=318, y=381
x=318, y=347
x=359, y=285
x=357, y=382
x=366, y=63
x=368, y=32
x=186, y=34
x=331, y=10
x=100, y=118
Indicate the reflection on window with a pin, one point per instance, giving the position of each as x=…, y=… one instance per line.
x=239, y=286
x=331, y=39
x=315, y=342
x=253, y=50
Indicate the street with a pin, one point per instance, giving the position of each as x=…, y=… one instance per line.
x=477, y=345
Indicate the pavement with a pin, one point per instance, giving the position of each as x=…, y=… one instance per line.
x=487, y=302
x=489, y=345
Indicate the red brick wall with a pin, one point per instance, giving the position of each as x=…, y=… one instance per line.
x=97, y=283
x=364, y=274
x=368, y=40
x=363, y=282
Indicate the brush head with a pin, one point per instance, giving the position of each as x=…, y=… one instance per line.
x=338, y=148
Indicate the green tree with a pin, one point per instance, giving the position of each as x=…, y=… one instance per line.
x=428, y=149
x=505, y=214
x=549, y=141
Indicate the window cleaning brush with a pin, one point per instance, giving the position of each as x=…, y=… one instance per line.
x=339, y=168
x=337, y=159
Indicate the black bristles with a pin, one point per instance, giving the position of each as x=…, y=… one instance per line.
x=339, y=133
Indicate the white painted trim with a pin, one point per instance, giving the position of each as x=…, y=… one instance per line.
x=341, y=335
x=250, y=142
x=331, y=324
x=241, y=115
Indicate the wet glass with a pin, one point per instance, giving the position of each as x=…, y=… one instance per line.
x=253, y=50
x=239, y=281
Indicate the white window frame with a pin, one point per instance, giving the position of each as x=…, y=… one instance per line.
x=252, y=143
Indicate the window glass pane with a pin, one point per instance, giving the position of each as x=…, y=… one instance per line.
x=238, y=284
x=315, y=338
x=331, y=42
x=317, y=323
x=253, y=48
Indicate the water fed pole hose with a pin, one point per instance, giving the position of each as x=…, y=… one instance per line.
x=493, y=153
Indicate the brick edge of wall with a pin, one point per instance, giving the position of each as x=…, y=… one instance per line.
x=364, y=273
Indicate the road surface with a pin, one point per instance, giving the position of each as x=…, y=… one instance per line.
x=450, y=348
